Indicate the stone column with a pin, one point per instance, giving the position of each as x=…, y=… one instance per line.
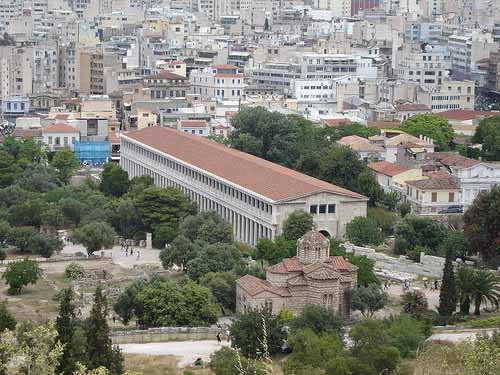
x=149, y=241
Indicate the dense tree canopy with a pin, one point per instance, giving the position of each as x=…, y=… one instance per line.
x=488, y=134
x=430, y=125
x=20, y=274
x=364, y=231
x=95, y=236
x=297, y=224
x=114, y=180
x=482, y=226
x=66, y=164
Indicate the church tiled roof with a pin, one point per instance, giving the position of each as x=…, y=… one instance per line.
x=253, y=286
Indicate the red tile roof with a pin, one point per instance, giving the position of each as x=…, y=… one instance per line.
x=286, y=266
x=464, y=114
x=340, y=264
x=337, y=122
x=60, y=128
x=255, y=174
x=253, y=286
x=387, y=168
x=384, y=124
x=193, y=124
x=444, y=183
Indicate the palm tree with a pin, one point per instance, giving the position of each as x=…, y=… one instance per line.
x=465, y=286
x=486, y=289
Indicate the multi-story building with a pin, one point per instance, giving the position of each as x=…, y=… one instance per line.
x=16, y=69
x=325, y=66
x=224, y=82
x=254, y=195
x=467, y=50
x=427, y=65
x=448, y=95
x=167, y=85
x=275, y=75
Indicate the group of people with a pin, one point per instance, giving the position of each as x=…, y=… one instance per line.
x=125, y=248
x=434, y=285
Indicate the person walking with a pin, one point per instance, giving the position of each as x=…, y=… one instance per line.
x=218, y=338
x=138, y=255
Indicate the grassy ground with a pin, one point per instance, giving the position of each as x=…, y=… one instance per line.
x=158, y=365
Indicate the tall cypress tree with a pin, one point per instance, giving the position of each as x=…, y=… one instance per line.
x=100, y=349
x=448, y=292
x=66, y=326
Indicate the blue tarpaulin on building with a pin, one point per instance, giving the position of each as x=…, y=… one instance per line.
x=92, y=152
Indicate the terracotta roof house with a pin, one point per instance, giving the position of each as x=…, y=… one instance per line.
x=59, y=135
x=433, y=195
x=393, y=177
x=465, y=122
x=311, y=277
x=196, y=127
x=365, y=149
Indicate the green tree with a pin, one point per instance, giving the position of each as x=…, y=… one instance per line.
x=310, y=350
x=5, y=229
x=163, y=206
x=163, y=234
x=385, y=219
x=448, y=292
x=341, y=166
x=367, y=184
x=138, y=184
x=372, y=345
x=266, y=24
x=100, y=349
x=488, y=135
x=364, y=231
x=163, y=303
x=482, y=227
x=21, y=237
x=66, y=327
x=53, y=217
x=406, y=333
x=39, y=178
x=95, y=236
x=320, y=320
x=486, y=289
x=222, y=286
x=72, y=209
x=128, y=306
x=456, y=243
x=413, y=231
x=74, y=271
x=3, y=255
x=66, y=164
x=179, y=253
x=430, y=125
x=368, y=299
x=297, y=224
x=219, y=257
x=274, y=251
x=465, y=281
x=248, y=333
x=28, y=212
x=45, y=245
x=9, y=169
x=206, y=226
x=7, y=319
x=126, y=219
x=114, y=180
x=20, y=274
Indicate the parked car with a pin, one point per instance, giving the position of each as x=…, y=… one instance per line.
x=452, y=210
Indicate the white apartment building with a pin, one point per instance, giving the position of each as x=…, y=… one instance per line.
x=46, y=66
x=327, y=66
x=255, y=196
x=427, y=66
x=339, y=8
x=475, y=179
x=10, y=9
x=223, y=82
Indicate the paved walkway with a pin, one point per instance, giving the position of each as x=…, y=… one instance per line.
x=146, y=256
x=186, y=351
x=458, y=336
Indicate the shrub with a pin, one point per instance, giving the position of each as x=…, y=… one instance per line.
x=74, y=271
x=492, y=322
x=19, y=274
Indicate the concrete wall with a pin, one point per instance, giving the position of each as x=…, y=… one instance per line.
x=164, y=334
x=428, y=266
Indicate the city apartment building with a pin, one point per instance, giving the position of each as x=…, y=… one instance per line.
x=325, y=66
x=277, y=76
x=448, y=95
x=427, y=66
x=254, y=195
x=224, y=82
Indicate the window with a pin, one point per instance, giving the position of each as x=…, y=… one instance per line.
x=313, y=209
x=322, y=208
x=434, y=197
x=200, y=131
x=50, y=140
x=451, y=197
x=331, y=208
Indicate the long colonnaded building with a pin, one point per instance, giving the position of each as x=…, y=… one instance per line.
x=253, y=194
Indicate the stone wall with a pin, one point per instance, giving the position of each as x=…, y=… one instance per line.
x=428, y=266
x=164, y=334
